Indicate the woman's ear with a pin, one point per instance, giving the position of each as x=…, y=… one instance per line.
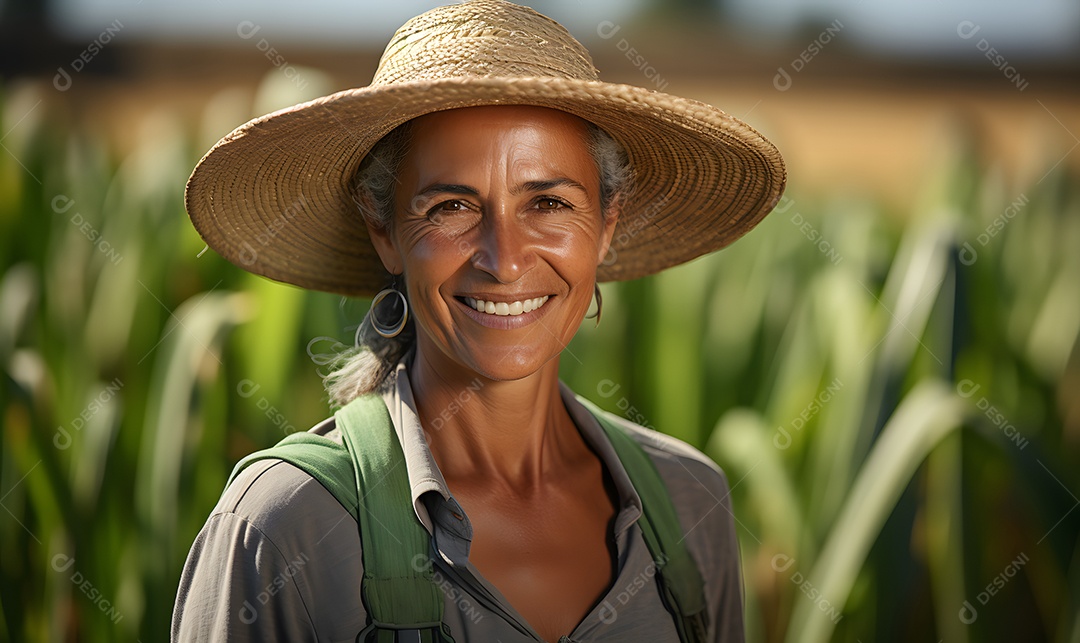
x=381, y=237
x=384, y=246
x=607, y=232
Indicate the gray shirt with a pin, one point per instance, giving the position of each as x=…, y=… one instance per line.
x=279, y=558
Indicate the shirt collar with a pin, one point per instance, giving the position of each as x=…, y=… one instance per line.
x=424, y=474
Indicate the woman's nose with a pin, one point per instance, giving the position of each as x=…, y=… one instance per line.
x=504, y=250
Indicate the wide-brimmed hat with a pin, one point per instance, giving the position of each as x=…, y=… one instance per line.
x=275, y=195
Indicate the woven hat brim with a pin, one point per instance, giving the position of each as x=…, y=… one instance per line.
x=274, y=195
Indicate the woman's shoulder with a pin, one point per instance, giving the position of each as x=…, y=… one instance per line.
x=273, y=494
x=278, y=558
x=678, y=462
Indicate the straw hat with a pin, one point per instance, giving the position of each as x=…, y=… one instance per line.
x=274, y=195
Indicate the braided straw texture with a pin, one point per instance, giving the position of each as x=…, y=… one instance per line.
x=273, y=196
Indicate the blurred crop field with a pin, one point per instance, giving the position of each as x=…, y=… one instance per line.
x=890, y=377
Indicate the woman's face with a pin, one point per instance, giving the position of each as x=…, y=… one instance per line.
x=497, y=208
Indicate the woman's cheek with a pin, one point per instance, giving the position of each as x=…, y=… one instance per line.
x=450, y=249
x=572, y=238
x=427, y=243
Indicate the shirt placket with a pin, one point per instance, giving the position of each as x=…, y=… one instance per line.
x=451, y=538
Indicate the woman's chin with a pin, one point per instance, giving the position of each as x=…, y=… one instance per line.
x=508, y=364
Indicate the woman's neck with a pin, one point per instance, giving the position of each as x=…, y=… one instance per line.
x=518, y=432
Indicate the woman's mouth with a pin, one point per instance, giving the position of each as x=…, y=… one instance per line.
x=506, y=308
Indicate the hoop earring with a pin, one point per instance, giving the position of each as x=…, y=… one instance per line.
x=599, y=304
x=395, y=329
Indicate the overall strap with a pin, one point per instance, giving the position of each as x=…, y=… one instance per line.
x=680, y=578
x=398, y=588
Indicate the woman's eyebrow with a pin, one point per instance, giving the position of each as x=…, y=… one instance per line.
x=547, y=184
x=452, y=188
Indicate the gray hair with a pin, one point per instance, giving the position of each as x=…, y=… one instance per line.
x=367, y=366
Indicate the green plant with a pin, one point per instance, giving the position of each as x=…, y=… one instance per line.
x=839, y=363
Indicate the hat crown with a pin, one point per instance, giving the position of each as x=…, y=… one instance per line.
x=480, y=39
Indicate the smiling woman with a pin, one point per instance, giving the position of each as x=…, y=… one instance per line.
x=499, y=205
x=365, y=368
x=490, y=502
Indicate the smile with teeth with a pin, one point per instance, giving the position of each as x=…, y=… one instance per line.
x=502, y=308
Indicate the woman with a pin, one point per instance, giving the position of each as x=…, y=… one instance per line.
x=481, y=185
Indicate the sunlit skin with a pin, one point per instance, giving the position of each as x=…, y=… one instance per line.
x=502, y=203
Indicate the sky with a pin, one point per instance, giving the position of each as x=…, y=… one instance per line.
x=1023, y=28
x=913, y=27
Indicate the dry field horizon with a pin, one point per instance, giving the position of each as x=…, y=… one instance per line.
x=844, y=126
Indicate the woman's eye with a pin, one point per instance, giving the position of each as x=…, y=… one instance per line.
x=548, y=203
x=448, y=207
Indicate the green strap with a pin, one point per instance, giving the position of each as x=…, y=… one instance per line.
x=680, y=577
x=398, y=589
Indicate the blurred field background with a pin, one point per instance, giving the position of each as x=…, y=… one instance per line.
x=887, y=368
